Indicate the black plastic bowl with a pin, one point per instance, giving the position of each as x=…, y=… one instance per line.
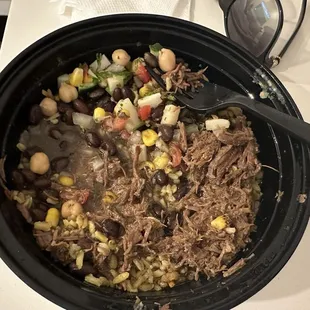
x=280, y=225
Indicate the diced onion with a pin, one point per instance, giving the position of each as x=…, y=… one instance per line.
x=216, y=124
x=115, y=68
x=83, y=120
x=170, y=115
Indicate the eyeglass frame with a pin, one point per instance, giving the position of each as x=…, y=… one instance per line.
x=269, y=61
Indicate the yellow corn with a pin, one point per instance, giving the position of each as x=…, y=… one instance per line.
x=99, y=114
x=219, y=223
x=65, y=180
x=76, y=77
x=42, y=226
x=113, y=262
x=91, y=227
x=161, y=161
x=149, y=137
x=143, y=91
x=52, y=217
x=100, y=236
x=147, y=164
x=109, y=197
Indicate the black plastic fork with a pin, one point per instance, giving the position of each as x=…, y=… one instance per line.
x=213, y=97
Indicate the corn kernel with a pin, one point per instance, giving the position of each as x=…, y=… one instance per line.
x=65, y=180
x=219, y=223
x=149, y=137
x=112, y=245
x=76, y=77
x=161, y=161
x=52, y=217
x=100, y=236
x=143, y=91
x=109, y=197
x=103, y=248
x=99, y=114
x=147, y=164
x=42, y=226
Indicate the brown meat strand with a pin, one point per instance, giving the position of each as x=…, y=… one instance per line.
x=205, y=145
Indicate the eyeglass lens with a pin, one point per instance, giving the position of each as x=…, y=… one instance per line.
x=253, y=24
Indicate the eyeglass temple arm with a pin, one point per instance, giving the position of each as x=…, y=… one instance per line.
x=278, y=58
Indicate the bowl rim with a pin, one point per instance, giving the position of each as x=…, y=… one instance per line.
x=18, y=263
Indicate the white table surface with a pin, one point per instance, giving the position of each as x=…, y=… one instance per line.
x=29, y=20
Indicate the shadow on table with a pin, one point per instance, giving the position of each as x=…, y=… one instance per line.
x=294, y=278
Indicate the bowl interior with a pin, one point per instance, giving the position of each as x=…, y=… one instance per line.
x=62, y=55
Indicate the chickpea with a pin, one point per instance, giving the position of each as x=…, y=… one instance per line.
x=67, y=93
x=166, y=59
x=121, y=57
x=48, y=107
x=71, y=209
x=39, y=163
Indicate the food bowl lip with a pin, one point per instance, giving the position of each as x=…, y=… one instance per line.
x=7, y=253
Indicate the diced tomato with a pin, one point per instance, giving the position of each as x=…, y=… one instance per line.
x=142, y=74
x=144, y=112
x=119, y=123
x=176, y=154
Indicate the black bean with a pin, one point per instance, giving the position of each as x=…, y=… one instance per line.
x=108, y=106
x=183, y=167
x=32, y=150
x=67, y=116
x=58, y=164
x=38, y=214
x=55, y=133
x=18, y=179
x=86, y=269
x=109, y=145
x=80, y=106
x=111, y=228
x=42, y=183
x=161, y=177
x=156, y=209
x=102, y=100
x=63, y=107
x=138, y=82
x=151, y=60
x=181, y=191
x=35, y=115
x=50, y=193
x=92, y=139
x=91, y=108
x=166, y=132
x=128, y=93
x=171, y=220
x=63, y=145
x=97, y=93
x=157, y=113
x=29, y=176
x=117, y=94
x=85, y=243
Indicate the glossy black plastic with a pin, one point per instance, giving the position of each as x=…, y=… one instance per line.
x=280, y=224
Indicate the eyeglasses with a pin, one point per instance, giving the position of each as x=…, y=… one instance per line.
x=256, y=25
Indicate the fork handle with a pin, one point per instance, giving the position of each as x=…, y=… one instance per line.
x=290, y=124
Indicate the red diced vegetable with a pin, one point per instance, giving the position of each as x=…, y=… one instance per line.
x=142, y=74
x=119, y=123
x=144, y=112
